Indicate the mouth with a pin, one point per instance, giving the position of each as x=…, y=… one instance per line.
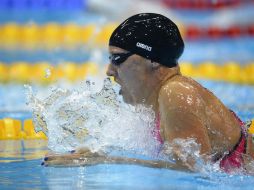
x=120, y=92
x=116, y=80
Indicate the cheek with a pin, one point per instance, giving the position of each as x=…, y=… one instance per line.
x=133, y=76
x=130, y=79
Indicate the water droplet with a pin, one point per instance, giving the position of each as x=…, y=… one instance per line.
x=47, y=73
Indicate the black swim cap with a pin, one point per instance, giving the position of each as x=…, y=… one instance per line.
x=150, y=35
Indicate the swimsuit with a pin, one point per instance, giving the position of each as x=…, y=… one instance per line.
x=156, y=131
x=232, y=160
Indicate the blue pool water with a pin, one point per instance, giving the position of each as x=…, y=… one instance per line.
x=29, y=174
x=113, y=177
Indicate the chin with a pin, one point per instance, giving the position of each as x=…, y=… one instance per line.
x=127, y=100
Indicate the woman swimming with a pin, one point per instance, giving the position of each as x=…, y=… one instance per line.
x=144, y=52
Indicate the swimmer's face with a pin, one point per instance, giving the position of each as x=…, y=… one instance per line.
x=131, y=75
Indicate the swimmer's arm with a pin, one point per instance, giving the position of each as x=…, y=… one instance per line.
x=88, y=159
x=179, y=120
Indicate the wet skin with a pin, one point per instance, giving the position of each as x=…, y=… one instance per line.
x=187, y=110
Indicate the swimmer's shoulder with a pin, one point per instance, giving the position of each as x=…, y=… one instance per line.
x=179, y=84
x=179, y=91
x=188, y=85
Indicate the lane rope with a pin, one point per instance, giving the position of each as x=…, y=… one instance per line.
x=45, y=73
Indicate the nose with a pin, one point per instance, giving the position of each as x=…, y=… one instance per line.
x=111, y=71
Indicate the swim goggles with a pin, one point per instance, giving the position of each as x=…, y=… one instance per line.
x=118, y=58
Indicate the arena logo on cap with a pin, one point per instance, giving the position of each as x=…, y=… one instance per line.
x=143, y=46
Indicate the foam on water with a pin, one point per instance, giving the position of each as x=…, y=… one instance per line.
x=99, y=120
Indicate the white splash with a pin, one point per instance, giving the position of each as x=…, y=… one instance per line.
x=98, y=120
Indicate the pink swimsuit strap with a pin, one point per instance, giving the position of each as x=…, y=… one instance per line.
x=234, y=159
x=156, y=131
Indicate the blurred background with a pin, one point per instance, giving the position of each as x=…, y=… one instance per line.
x=62, y=42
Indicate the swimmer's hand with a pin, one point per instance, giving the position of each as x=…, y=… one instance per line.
x=84, y=157
x=79, y=157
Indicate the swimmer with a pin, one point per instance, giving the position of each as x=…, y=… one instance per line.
x=144, y=52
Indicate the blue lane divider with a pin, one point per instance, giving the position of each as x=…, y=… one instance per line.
x=43, y=4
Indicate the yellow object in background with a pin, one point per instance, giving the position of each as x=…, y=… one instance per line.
x=209, y=70
x=232, y=72
x=11, y=134
x=11, y=129
x=30, y=132
x=54, y=36
x=43, y=73
x=51, y=36
x=251, y=128
x=29, y=37
x=91, y=68
x=29, y=129
x=249, y=72
x=187, y=68
x=87, y=34
x=47, y=73
x=9, y=36
x=20, y=72
x=103, y=36
x=68, y=70
x=70, y=36
x=82, y=71
x=4, y=70
x=2, y=130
